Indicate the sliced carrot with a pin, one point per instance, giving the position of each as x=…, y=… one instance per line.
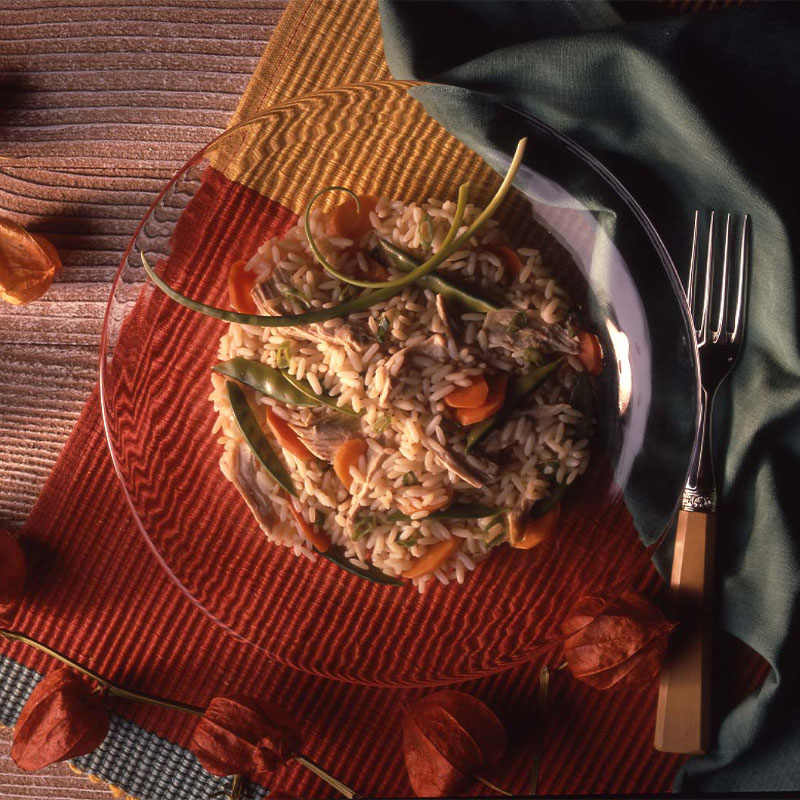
x=311, y=533
x=286, y=437
x=511, y=261
x=590, y=354
x=434, y=557
x=240, y=284
x=494, y=402
x=472, y=396
x=350, y=223
x=346, y=456
x=539, y=529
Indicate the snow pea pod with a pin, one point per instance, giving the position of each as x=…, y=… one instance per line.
x=305, y=388
x=255, y=438
x=336, y=554
x=266, y=380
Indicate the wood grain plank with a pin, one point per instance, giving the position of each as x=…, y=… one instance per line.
x=100, y=102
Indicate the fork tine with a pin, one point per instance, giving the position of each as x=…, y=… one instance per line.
x=722, y=316
x=741, y=293
x=691, y=283
x=703, y=330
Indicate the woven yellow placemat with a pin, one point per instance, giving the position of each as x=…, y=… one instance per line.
x=318, y=45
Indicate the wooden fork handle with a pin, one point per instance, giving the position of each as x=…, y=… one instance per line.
x=682, y=717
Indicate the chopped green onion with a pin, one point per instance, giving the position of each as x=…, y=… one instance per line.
x=408, y=542
x=283, y=355
x=518, y=321
x=296, y=295
x=410, y=479
x=530, y=355
x=384, y=326
x=381, y=424
x=363, y=527
x=425, y=229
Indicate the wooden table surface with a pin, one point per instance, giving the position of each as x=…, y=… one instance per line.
x=100, y=102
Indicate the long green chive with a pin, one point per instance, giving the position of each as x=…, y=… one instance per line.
x=364, y=301
x=451, y=242
x=403, y=280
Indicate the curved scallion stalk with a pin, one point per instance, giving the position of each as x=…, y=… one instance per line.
x=320, y=315
x=448, y=245
x=498, y=198
x=404, y=280
x=364, y=301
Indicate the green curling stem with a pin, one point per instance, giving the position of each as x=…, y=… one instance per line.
x=405, y=280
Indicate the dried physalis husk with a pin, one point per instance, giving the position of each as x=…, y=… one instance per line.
x=28, y=264
x=447, y=737
x=240, y=735
x=63, y=718
x=617, y=644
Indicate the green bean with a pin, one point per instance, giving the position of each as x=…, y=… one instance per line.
x=455, y=511
x=581, y=399
x=389, y=255
x=266, y=380
x=520, y=387
x=304, y=387
x=363, y=527
x=336, y=554
x=255, y=438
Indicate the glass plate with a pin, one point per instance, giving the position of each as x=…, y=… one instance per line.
x=251, y=183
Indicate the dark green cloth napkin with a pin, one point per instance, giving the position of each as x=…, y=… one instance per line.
x=697, y=111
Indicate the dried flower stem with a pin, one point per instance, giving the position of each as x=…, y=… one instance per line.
x=142, y=697
x=116, y=691
x=340, y=787
x=541, y=722
x=493, y=787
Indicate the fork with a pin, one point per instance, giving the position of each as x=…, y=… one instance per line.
x=682, y=716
